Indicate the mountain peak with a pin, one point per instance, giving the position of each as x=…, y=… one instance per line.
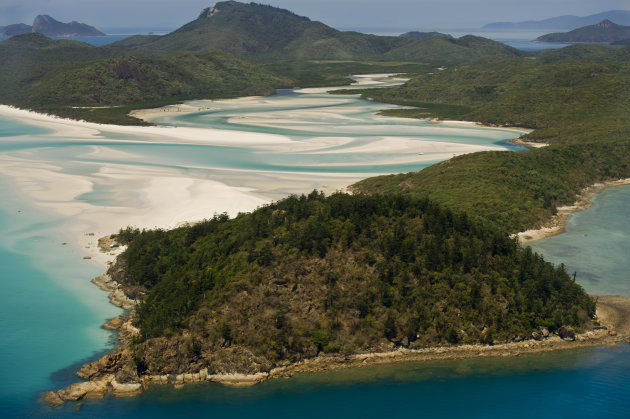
x=44, y=19
x=208, y=12
x=604, y=32
x=237, y=8
x=49, y=26
x=605, y=24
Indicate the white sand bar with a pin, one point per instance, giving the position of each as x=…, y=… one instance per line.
x=210, y=157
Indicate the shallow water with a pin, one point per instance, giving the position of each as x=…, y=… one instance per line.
x=50, y=314
x=596, y=244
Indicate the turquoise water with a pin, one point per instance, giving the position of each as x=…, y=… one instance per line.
x=596, y=244
x=50, y=314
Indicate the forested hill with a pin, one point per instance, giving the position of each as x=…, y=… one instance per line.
x=339, y=273
x=267, y=33
x=77, y=80
x=102, y=84
x=576, y=98
x=604, y=32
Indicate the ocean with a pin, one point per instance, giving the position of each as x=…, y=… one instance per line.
x=50, y=314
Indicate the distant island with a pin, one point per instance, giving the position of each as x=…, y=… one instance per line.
x=605, y=32
x=48, y=26
x=565, y=22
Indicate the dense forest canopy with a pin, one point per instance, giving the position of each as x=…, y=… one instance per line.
x=576, y=98
x=342, y=273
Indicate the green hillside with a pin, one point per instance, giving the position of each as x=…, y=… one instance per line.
x=577, y=98
x=66, y=77
x=605, y=32
x=267, y=33
x=576, y=93
x=76, y=80
x=342, y=273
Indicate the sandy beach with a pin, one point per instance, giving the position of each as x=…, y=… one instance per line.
x=164, y=196
x=557, y=223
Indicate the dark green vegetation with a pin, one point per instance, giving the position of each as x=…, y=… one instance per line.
x=424, y=35
x=577, y=98
x=339, y=273
x=605, y=32
x=76, y=80
x=103, y=84
x=349, y=273
x=266, y=33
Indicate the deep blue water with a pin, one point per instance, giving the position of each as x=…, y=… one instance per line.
x=579, y=384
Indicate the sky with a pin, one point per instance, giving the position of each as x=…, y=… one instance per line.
x=341, y=14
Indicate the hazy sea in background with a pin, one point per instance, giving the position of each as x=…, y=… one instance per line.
x=521, y=39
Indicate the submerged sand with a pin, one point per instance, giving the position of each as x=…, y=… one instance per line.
x=164, y=197
x=557, y=224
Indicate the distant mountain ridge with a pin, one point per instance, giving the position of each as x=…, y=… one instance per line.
x=605, y=32
x=49, y=26
x=621, y=17
x=256, y=31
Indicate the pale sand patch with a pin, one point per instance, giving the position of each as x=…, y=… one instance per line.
x=69, y=128
x=613, y=311
x=145, y=197
x=531, y=144
x=558, y=222
x=415, y=146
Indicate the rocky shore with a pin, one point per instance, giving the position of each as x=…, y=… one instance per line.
x=117, y=374
x=117, y=295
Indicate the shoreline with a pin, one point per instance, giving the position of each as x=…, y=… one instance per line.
x=528, y=144
x=557, y=224
x=113, y=374
x=615, y=314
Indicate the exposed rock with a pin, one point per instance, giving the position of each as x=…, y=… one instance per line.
x=115, y=323
x=125, y=389
x=53, y=399
x=108, y=364
x=536, y=335
x=90, y=389
x=238, y=380
x=127, y=375
x=545, y=332
x=116, y=294
x=566, y=333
